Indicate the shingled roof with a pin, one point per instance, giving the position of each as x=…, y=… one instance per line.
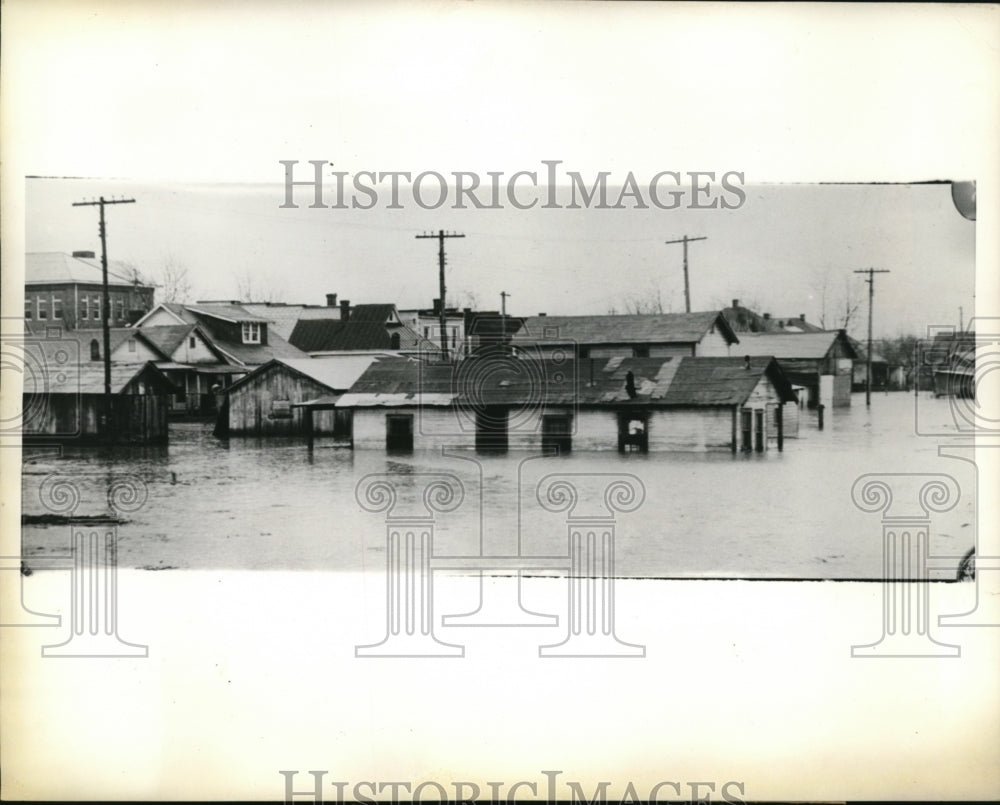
x=497, y=380
x=365, y=332
x=661, y=328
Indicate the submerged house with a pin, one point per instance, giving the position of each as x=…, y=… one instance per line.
x=626, y=404
x=705, y=334
x=822, y=363
x=71, y=405
x=291, y=396
x=208, y=346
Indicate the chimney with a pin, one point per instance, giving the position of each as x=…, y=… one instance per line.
x=543, y=314
x=630, y=383
x=767, y=316
x=802, y=316
x=84, y=254
x=331, y=300
x=736, y=303
x=345, y=309
x=437, y=307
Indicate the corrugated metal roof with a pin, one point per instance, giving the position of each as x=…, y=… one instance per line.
x=665, y=328
x=806, y=346
x=55, y=267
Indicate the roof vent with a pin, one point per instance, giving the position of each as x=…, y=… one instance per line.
x=84, y=253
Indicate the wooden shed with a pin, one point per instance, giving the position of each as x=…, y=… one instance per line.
x=70, y=404
x=625, y=404
x=269, y=400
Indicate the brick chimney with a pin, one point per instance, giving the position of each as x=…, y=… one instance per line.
x=345, y=309
x=331, y=300
x=736, y=303
x=436, y=307
x=767, y=316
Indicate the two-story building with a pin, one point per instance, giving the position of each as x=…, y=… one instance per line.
x=66, y=290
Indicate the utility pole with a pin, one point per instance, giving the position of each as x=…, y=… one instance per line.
x=503, y=316
x=106, y=297
x=441, y=235
x=871, y=272
x=687, y=287
x=961, y=319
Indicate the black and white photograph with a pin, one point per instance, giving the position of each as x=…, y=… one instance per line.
x=481, y=401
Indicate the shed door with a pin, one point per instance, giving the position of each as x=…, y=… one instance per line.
x=399, y=432
x=491, y=428
x=556, y=434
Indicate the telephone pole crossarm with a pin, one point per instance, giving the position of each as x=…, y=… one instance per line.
x=105, y=294
x=687, y=286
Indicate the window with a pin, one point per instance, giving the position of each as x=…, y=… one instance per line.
x=84, y=307
x=192, y=342
x=454, y=337
x=427, y=332
x=28, y=308
x=56, y=307
x=95, y=350
x=394, y=341
x=281, y=409
x=95, y=307
x=120, y=309
x=131, y=345
x=251, y=332
x=42, y=307
x=399, y=432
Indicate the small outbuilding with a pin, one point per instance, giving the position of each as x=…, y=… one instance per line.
x=286, y=397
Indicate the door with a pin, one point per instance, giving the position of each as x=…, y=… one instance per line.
x=746, y=429
x=491, y=429
x=556, y=436
x=399, y=432
x=759, y=428
x=633, y=432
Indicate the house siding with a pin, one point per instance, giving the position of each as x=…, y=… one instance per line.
x=713, y=345
x=199, y=353
x=251, y=405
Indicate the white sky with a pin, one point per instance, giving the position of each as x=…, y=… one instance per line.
x=775, y=251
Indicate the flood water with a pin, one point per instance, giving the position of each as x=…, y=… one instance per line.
x=256, y=504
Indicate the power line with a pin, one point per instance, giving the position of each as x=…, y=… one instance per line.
x=687, y=288
x=441, y=235
x=106, y=296
x=871, y=272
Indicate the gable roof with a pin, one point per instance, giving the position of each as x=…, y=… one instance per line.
x=356, y=334
x=335, y=373
x=659, y=328
x=282, y=317
x=117, y=337
x=76, y=374
x=59, y=267
x=791, y=346
x=676, y=381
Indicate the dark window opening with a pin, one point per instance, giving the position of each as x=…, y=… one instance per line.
x=759, y=427
x=641, y=351
x=556, y=434
x=399, y=432
x=491, y=429
x=746, y=429
x=95, y=350
x=633, y=432
x=343, y=424
x=394, y=341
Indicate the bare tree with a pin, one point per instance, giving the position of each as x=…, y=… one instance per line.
x=844, y=306
x=174, y=282
x=642, y=301
x=253, y=289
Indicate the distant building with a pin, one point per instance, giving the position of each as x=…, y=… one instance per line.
x=426, y=323
x=705, y=334
x=368, y=329
x=880, y=369
x=66, y=290
x=625, y=404
x=821, y=362
x=745, y=320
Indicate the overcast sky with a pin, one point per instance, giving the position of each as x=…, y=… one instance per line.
x=776, y=251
